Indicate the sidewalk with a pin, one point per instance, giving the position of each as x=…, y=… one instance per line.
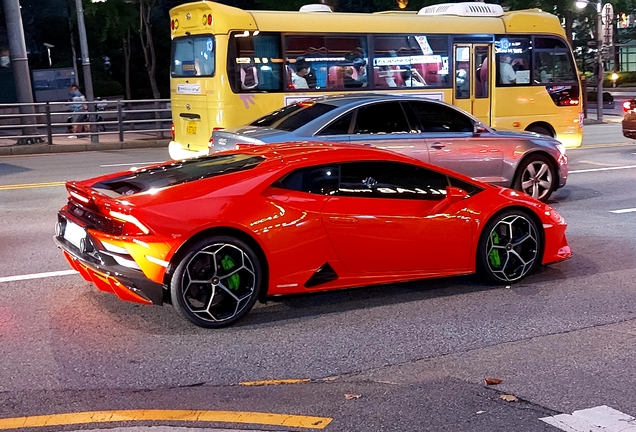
x=63, y=144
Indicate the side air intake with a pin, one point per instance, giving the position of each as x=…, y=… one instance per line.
x=324, y=274
x=469, y=9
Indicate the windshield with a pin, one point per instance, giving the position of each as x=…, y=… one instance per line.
x=193, y=56
x=294, y=116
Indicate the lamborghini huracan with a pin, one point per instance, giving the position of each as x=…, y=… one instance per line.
x=214, y=234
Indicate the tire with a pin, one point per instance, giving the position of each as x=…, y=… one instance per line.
x=536, y=177
x=540, y=130
x=217, y=282
x=510, y=246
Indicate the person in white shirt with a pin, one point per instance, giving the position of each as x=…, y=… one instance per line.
x=506, y=72
x=298, y=79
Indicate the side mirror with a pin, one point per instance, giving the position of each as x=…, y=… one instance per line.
x=479, y=129
x=453, y=195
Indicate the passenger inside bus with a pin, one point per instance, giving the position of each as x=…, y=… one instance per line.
x=412, y=78
x=249, y=77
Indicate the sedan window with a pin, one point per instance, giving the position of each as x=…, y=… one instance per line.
x=340, y=126
x=440, y=118
x=294, y=116
x=391, y=180
x=381, y=118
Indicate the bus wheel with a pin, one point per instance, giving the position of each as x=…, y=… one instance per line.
x=540, y=130
x=536, y=177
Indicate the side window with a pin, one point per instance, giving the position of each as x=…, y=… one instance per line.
x=255, y=62
x=340, y=126
x=409, y=61
x=513, y=60
x=439, y=118
x=319, y=62
x=391, y=180
x=321, y=180
x=552, y=62
x=468, y=187
x=381, y=118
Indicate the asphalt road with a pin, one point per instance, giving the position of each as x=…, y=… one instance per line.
x=405, y=357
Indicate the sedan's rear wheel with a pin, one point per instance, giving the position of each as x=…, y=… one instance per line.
x=510, y=247
x=536, y=177
x=217, y=282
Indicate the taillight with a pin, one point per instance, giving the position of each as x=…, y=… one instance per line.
x=131, y=225
x=627, y=105
x=172, y=130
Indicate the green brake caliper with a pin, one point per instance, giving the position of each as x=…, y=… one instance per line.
x=233, y=281
x=493, y=256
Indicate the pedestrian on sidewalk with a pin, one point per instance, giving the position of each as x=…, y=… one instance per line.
x=79, y=109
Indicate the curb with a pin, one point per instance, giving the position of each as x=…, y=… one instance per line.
x=15, y=150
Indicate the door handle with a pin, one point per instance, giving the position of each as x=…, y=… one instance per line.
x=342, y=220
x=437, y=145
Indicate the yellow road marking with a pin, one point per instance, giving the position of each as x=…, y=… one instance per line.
x=31, y=185
x=289, y=420
x=274, y=382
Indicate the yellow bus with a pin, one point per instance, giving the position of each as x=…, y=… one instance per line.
x=512, y=70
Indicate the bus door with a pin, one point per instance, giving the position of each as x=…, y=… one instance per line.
x=471, y=91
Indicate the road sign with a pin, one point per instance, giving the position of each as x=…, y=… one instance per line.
x=607, y=17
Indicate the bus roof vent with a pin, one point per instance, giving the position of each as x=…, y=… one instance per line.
x=471, y=9
x=315, y=8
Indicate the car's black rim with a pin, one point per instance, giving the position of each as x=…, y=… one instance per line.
x=537, y=180
x=218, y=282
x=512, y=248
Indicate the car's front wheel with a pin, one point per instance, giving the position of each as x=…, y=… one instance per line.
x=536, y=177
x=217, y=282
x=510, y=246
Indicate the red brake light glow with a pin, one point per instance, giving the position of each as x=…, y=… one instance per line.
x=172, y=131
x=627, y=105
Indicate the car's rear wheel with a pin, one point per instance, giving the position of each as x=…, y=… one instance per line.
x=536, y=177
x=217, y=282
x=510, y=246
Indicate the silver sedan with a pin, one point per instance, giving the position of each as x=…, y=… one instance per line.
x=428, y=130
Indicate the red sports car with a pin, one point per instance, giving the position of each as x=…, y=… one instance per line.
x=214, y=234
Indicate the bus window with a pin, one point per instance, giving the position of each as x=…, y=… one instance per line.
x=552, y=61
x=410, y=61
x=319, y=62
x=255, y=62
x=193, y=56
x=513, y=60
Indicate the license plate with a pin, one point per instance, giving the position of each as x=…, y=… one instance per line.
x=74, y=233
x=191, y=128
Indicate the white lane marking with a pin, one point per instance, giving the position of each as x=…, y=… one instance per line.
x=597, y=163
x=37, y=276
x=131, y=164
x=598, y=419
x=629, y=210
x=602, y=169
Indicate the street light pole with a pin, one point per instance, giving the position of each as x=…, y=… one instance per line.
x=86, y=64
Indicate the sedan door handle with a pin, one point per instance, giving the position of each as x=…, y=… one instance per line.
x=437, y=145
x=342, y=220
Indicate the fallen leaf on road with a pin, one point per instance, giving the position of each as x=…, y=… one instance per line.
x=352, y=396
x=492, y=381
x=509, y=398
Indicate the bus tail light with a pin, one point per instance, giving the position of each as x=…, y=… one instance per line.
x=172, y=131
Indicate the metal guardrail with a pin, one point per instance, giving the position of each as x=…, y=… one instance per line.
x=42, y=122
